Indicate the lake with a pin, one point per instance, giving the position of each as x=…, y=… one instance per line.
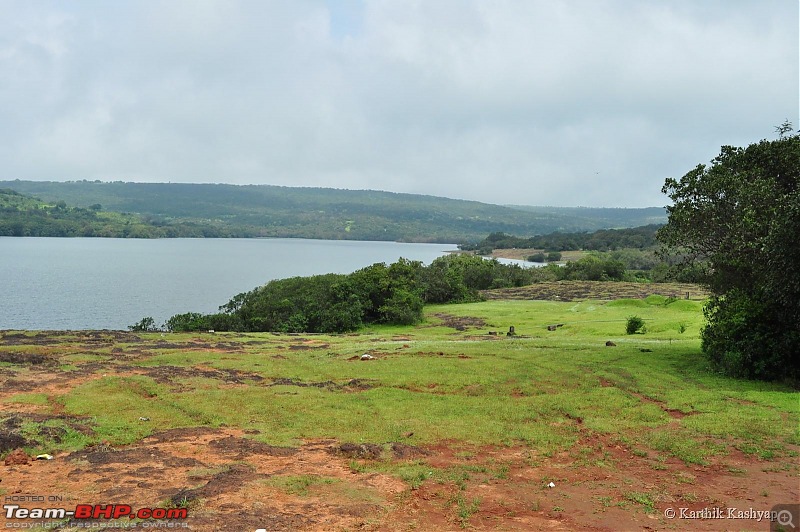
x=109, y=283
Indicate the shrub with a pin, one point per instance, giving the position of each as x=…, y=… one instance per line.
x=147, y=324
x=635, y=325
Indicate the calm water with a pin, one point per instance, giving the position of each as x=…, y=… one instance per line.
x=104, y=283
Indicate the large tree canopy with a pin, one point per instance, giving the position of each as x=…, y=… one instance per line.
x=740, y=219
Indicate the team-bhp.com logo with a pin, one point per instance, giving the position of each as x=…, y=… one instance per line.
x=94, y=511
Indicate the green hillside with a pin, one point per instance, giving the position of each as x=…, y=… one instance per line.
x=23, y=215
x=272, y=211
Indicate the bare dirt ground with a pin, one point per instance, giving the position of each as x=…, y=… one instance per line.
x=582, y=290
x=228, y=481
x=220, y=476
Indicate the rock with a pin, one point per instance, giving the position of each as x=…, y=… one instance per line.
x=610, y=344
x=511, y=331
x=551, y=485
x=44, y=457
x=17, y=457
x=367, y=356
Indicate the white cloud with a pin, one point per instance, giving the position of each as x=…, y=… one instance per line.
x=537, y=102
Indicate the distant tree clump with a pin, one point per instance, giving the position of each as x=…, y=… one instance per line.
x=377, y=294
x=736, y=224
x=602, y=240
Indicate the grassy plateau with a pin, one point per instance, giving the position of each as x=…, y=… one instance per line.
x=449, y=424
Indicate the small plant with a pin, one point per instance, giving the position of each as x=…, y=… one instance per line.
x=681, y=328
x=502, y=472
x=635, y=325
x=645, y=499
x=465, y=509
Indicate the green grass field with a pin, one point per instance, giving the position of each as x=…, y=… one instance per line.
x=444, y=382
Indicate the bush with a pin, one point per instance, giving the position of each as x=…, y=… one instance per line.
x=537, y=257
x=147, y=324
x=553, y=256
x=635, y=325
x=749, y=339
x=335, y=303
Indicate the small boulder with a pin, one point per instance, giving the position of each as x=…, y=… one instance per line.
x=610, y=344
x=17, y=457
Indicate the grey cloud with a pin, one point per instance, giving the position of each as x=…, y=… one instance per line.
x=538, y=102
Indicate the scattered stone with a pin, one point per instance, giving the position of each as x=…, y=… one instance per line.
x=17, y=457
x=551, y=485
x=144, y=419
x=610, y=344
x=367, y=356
x=402, y=451
x=368, y=451
x=492, y=333
x=44, y=457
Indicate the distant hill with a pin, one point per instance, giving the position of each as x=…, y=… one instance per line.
x=273, y=211
x=610, y=218
x=24, y=215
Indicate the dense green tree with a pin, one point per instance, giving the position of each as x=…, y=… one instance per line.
x=593, y=268
x=334, y=303
x=739, y=220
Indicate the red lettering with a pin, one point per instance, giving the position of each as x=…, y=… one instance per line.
x=121, y=510
x=83, y=511
x=103, y=511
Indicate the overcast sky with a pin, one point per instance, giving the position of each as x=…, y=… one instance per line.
x=535, y=102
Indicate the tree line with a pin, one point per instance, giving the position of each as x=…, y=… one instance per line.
x=643, y=237
x=335, y=303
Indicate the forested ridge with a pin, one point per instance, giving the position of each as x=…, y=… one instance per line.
x=22, y=215
x=273, y=211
